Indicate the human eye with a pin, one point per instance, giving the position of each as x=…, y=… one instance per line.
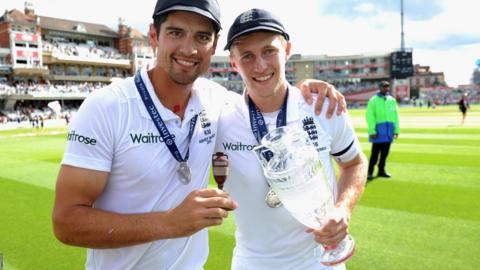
x=205, y=37
x=246, y=57
x=270, y=51
x=175, y=33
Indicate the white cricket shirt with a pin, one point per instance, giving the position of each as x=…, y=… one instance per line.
x=270, y=238
x=113, y=132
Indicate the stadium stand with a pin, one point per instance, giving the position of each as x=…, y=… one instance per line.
x=45, y=59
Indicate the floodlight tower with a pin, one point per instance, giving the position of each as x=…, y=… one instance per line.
x=402, y=35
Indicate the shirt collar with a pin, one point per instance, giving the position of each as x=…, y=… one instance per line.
x=294, y=99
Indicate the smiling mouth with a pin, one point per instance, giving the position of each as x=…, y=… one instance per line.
x=263, y=78
x=185, y=63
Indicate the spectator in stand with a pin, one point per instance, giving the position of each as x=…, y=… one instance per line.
x=463, y=105
x=382, y=119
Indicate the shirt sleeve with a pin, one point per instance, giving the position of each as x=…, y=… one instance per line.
x=90, y=139
x=345, y=145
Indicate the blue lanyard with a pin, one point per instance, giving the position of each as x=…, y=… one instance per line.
x=157, y=120
x=257, y=123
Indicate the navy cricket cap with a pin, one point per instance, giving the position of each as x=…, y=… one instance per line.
x=206, y=8
x=254, y=20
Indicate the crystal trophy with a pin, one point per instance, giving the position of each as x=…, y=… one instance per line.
x=293, y=170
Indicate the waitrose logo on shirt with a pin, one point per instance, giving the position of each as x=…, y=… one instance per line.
x=147, y=138
x=237, y=146
x=73, y=136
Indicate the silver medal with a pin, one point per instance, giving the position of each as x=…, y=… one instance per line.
x=185, y=173
x=272, y=199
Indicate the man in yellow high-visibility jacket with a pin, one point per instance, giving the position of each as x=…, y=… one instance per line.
x=382, y=119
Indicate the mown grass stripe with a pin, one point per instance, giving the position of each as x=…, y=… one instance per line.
x=465, y=151
x=398, y=240
x=26, y=237
x=449, y=160
x=423, y=198
x=409, y=130
x=39, y=173
x=33, y=160
x=36, y=131
x=439, y=142
x=455, y=176
x=408, y=112
x=434, y=136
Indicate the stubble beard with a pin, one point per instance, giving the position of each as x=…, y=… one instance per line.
x=182, y=78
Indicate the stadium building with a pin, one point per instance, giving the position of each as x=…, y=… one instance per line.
x=45, y=59
x=358, y=74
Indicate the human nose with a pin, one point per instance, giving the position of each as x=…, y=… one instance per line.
x=260, y=64
x=188, y=47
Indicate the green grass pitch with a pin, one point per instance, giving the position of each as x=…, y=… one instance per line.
x=426, y=217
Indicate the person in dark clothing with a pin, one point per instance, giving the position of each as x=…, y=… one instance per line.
x=463, y=106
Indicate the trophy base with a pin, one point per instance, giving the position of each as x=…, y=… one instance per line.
x=337, y=255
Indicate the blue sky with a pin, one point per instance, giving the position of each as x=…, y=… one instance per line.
x=442, y=33
x=418, y=10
